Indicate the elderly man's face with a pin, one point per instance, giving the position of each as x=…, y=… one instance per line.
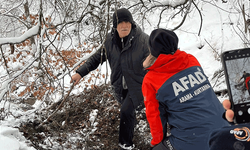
x=124, y=29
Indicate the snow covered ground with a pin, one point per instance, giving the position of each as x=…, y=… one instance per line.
x=12, y=139
x=216, y=36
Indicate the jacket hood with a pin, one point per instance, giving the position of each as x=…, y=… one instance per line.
x=170, y=63
x=120, y=15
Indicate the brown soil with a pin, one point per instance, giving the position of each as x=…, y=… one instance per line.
x=70, y=128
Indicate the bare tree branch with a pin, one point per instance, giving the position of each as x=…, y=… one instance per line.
x=184, y=18
x=200, y=17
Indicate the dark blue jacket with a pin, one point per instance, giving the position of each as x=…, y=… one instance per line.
x=177, y=91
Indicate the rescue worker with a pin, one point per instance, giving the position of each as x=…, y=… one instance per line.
x=177, y=92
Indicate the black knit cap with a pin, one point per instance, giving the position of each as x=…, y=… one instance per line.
x=122, y=14
x=162, y=41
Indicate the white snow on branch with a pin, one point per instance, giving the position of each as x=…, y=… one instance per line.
x=31, y=32
x=5, y=85
x=169, y=2
x=12, y=40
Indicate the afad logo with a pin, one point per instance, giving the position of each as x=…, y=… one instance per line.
x=241, y=134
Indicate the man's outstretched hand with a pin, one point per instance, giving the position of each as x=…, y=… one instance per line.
x=75, y=78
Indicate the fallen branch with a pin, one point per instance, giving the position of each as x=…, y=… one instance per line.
x=59, y=107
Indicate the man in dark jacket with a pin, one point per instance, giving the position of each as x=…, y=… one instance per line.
x=125, y=48
x=176, y=91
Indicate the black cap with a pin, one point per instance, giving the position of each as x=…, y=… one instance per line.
x=122, y=14
x=162, y=41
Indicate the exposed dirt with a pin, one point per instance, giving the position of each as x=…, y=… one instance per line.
x=72, y=128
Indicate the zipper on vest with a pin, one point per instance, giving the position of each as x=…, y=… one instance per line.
x=122, y=43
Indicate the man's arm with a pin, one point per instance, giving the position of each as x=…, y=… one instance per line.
x=92, y=63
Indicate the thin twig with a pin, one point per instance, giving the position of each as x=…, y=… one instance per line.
x=59, y=107
x=200, y=17
x=4, y=60
x=185, y=16
x=213, y=49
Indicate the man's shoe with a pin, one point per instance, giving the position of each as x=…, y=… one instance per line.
x=125, y=147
